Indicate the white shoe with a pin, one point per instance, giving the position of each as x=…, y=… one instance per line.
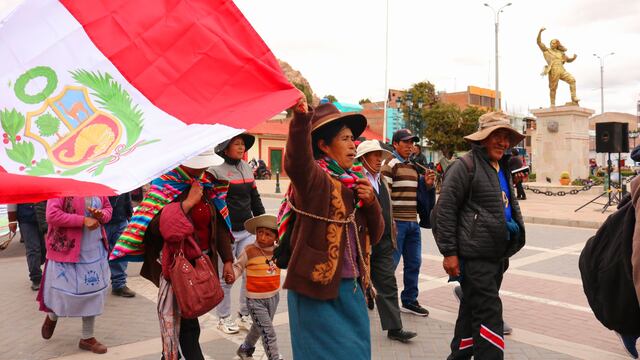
x=245, y=322
x=228, y=326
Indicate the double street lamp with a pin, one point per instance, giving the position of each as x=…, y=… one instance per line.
x=496, y=15
x=601, y=58
x=409, y=105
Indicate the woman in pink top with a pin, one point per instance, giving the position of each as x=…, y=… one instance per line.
x=76, y=273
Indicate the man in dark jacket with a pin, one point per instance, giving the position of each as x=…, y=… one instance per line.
x=478, y=227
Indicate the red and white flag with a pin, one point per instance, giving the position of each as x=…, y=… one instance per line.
x=98, y=97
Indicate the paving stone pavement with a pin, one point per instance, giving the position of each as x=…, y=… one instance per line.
x=542, y=298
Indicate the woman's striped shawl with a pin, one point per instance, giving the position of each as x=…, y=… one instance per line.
x=164, y=190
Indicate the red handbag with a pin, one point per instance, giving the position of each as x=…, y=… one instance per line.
x=197, y=288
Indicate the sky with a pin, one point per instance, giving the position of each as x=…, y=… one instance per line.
x=339, y=46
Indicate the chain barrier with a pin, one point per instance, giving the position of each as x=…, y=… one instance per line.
x=585, y=187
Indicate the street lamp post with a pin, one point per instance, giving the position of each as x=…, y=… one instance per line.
x=496, y=15
x=601, y=58
x=408, y=100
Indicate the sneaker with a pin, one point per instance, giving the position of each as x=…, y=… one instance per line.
x=124, y=292
x=228, y=326
x=245, y=352
x=401, y=335
x=506, y=329
x=35, y=285
x=244, y=321
x=415, y=309
x=629, y=344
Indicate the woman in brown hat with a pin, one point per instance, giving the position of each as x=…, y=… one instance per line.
x=478, y=226
x=337, y=220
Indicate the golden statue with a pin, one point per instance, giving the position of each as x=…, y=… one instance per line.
x=555, y=57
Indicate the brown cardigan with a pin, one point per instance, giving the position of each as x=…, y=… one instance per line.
x=318, y=246
x=220, y=243
x=635, y=244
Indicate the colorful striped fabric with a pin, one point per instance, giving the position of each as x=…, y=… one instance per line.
x=347, y=178
x=164, y=190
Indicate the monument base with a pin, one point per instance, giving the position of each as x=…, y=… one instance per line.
x=561, y=142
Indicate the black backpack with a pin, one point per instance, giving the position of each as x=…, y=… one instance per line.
x=605, y=267
x=467, y=160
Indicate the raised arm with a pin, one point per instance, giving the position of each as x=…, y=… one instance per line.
x=542, y=46
x=298, y=161
x=571, y=59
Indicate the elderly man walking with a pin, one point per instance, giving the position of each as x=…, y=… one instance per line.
x=371, y=154
x=478, y=226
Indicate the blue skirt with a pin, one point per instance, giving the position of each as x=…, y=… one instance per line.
x=332, y=329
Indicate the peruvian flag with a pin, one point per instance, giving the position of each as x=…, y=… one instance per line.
x=98, y=97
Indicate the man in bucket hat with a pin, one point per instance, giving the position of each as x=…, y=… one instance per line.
x=479, y=226
x=371, y=154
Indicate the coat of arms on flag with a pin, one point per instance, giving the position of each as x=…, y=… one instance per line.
x=102, y=97
x=76, y=134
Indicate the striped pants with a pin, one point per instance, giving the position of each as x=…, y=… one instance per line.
x=262, y=312
x=479, y=327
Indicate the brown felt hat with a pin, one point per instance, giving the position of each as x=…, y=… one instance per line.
x=328, y=113
x=491, y=122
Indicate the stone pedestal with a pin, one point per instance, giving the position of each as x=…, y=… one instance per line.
x=561, y=143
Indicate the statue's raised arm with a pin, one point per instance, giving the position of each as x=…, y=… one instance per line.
x=542, y=46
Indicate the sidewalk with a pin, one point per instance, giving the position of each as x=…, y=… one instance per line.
x=537, y=209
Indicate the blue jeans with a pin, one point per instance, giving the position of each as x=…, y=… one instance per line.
x=118, y=268
x=35, y=249
x=242, y=239
x=410, y=248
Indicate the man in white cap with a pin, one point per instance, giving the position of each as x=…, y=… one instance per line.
x=371, y=154
x=477, y=227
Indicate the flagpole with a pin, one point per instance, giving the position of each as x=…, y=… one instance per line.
x=386, y=71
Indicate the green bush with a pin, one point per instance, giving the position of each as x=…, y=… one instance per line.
x=532, y=177
x=564, y=175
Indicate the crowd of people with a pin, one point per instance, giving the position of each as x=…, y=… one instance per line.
x=351, y=214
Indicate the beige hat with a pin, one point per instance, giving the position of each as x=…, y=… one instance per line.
x=265, y=221
x=491, y=122
x=368, y=146
x=204, y=160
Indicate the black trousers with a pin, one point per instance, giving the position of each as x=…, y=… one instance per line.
x=479, y=328
x=190, y=339
x=384, y=281
x=520, y=191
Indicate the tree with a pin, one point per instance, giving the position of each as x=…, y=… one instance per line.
x=446, y=126
x=48, y=125
x=422, y=96
x=364, y=101
x=305, y=90
x=331, y=98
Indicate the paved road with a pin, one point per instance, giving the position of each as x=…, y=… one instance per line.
x=542, y=297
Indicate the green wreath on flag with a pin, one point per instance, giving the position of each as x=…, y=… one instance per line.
x=109, y=95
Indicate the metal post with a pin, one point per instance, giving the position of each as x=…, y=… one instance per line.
x=497, y=76
x=277, y=181
x=601, y=86
x=496, y=15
